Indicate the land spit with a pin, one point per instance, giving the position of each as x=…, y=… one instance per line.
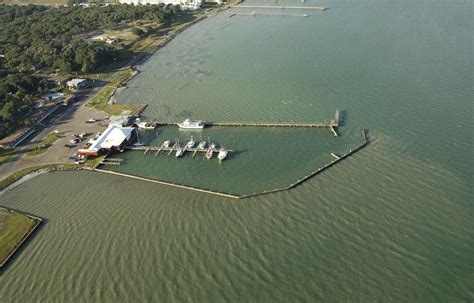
x=19, y=244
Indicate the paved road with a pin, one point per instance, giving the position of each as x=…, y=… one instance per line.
x=71, y=120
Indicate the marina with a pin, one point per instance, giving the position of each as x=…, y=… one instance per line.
x=157, y=149
x=150, y=150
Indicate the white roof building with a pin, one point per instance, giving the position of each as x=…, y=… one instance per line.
x=77, y=83
x=112, y=138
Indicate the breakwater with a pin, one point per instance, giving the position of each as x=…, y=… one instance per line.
x=237, y=196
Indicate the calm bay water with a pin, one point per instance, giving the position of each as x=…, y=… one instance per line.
x=392, y=223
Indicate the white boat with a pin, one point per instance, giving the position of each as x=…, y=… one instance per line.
x=209, y=153
x=190, y=143
x=179, y=152
x=166, y=144
x=146, y=125
x=202, y=145
x=222, y=154
x=212, y=146
x=188, y=124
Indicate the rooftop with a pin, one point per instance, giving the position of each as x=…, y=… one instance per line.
x=114, y=135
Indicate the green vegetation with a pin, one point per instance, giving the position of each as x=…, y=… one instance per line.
x=17, y=91
x=46, y=142
x=6, y=154
x=46, y=39
x=100, y=100
x=92, y=162
x=14, y=227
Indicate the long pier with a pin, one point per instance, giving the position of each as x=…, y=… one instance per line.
x=320, y=8
x=332, y=124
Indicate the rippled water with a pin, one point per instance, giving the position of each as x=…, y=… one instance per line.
x=392, y=223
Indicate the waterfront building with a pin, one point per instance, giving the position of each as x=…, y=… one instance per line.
x=112, y=139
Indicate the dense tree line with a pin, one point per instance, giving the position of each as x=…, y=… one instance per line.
x=36, y=37
x=17, y=93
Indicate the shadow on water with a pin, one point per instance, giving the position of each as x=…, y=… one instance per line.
x=342, y=118
x=23, y=245
x=236, y=153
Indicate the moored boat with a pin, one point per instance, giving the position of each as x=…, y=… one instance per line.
x=190, y=143
x=188, y=124
x=146, y=125
x=209, y=153
x=222, y=154
x=166, y=144
x=202, y=145
x=179, y=152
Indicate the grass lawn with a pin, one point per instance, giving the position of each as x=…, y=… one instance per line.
x=100, y=100
x=46, y=142
x=6, y=154
x=13, y=229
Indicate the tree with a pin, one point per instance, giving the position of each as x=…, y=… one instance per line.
x=137, y=31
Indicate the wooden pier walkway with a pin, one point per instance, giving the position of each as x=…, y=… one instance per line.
x=333, y=124
x=320, y=8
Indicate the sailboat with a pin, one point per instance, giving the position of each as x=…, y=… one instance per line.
x=191, y=143
x=222, y=154
x=209, y=153
x=180, y=151
x=202, y=145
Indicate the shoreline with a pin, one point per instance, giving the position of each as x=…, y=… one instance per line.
x=156, y=46
x=19, y=177
x=12, y=180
